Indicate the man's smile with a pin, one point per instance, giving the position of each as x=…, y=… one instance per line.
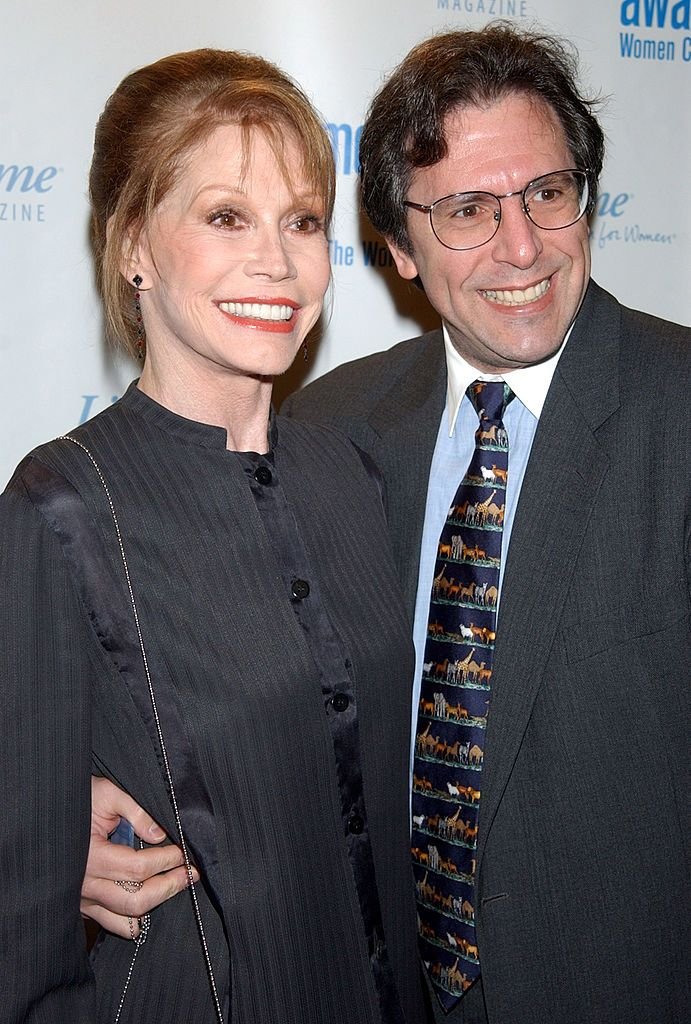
x=518, y=296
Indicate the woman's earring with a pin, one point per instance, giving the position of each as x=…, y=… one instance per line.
x=305, y=350
x=137, y=281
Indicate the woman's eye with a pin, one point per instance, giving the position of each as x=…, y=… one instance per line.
x=227, y=219
x=308, y=223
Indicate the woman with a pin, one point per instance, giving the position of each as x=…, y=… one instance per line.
x=200, y=601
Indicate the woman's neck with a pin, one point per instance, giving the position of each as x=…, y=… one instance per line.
x=240, y=404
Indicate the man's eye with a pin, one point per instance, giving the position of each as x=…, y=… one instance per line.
x=468, y=212
x=546, y=195
x=470, y=208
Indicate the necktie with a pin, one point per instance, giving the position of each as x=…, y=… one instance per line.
x=454, y=702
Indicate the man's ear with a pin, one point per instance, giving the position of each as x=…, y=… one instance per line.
x=405, y=264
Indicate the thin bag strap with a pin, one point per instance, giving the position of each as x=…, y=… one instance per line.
x=164, y=752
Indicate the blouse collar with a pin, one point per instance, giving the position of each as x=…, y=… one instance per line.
x=191, y=431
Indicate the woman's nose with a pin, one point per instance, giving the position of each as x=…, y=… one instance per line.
x=270, y=257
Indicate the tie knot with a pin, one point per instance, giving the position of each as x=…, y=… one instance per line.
x=490, y=398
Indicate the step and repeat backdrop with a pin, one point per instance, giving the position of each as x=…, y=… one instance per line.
x=61, y=61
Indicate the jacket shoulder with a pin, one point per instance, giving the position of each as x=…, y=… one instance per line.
x=656, y=337
x=355, y=387
x=642, y=334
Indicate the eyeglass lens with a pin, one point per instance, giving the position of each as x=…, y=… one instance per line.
x=553, y=201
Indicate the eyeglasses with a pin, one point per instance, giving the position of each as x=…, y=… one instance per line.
x=469, y=219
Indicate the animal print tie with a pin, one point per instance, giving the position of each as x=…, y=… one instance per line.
x=454, y=701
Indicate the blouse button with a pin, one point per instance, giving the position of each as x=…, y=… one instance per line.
x=340, y=701
x=262, y=475
x=300, y=589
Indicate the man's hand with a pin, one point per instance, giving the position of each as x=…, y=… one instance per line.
x=161, y=871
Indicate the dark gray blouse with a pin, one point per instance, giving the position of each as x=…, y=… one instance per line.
x=280, y=658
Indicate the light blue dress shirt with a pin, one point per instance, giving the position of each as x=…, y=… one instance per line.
x=453, y=450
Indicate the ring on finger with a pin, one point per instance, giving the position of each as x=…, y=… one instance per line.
x=129, y=885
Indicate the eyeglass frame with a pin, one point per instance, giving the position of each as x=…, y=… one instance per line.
x=424, y=208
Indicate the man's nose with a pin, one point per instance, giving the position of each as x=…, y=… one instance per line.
x=518, y=241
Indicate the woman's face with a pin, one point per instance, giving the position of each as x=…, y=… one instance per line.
x=235, y=265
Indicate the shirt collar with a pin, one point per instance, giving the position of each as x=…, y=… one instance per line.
x=530, y=384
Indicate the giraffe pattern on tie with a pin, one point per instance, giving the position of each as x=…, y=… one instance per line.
x=454, y=705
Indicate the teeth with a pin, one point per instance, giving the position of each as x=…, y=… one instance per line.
x=519, y=296
x=257, y=310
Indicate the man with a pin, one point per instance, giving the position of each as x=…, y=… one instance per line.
x=480, y=162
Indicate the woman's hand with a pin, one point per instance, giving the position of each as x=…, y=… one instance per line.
x=161, y=871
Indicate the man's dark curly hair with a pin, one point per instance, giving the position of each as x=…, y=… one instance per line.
x=404, y=127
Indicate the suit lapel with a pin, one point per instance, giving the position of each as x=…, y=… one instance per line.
x=406, y=422
x=564, y=474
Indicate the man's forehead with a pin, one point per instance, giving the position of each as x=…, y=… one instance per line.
x=509, y=113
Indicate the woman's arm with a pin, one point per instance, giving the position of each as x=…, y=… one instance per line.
x=45, y=757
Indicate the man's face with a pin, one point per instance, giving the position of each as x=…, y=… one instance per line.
x=509, y=302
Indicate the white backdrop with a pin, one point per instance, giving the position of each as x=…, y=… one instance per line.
x=61, y=60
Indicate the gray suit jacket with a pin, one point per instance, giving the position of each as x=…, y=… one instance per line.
x=582, y=914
